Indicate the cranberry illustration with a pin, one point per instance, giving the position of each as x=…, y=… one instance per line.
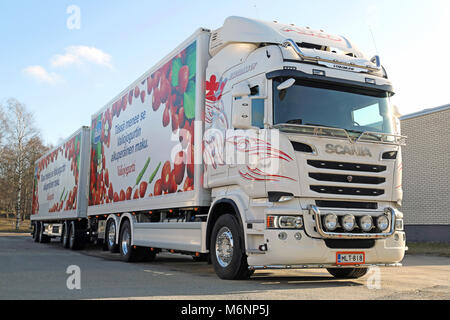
x=179, y=167
x=183, y=79
x=172, y=183
x=143, y=96
x=157, y=190
x=110, y=192
x=156, y=101
x=137, y=92
x=129, y=192
x=143, y=188
x=166, y=117
x=136, y=194
x=165, y=89
x=165, y=176
x=116, y=197
x=122, y=195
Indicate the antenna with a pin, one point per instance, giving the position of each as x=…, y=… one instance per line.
x=256, y=11
x=373, y=39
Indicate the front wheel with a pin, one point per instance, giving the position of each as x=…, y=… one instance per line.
x=228, y=250
x=347, y=273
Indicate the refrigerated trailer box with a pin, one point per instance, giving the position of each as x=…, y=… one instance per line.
x=145, y=148
x=60, y=181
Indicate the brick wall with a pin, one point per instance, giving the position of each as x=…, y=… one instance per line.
x=426, y=169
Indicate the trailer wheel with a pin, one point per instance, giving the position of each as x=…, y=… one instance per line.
x=36, y=231
x=65, y=235
x=110, y=237
x=348, y=273
x=128, y=252
x=227, y=250
x=42, y=237
x=76, y=238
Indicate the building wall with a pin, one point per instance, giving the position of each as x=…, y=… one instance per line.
x=426, y=170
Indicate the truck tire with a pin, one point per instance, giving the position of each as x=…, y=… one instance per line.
x=348, y=273
x=76, y=236
x=110, y=237
x=42, y=237
x=36, y=231
x=65, y=235
x=129, y=253
x=227, y=249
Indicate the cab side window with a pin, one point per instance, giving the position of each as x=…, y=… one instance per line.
x=257, y=108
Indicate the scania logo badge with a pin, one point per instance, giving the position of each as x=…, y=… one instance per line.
x=349, y=150
x=349, y=178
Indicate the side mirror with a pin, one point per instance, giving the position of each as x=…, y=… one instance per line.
x=286, y=84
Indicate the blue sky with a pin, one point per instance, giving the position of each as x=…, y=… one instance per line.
x=64, y=75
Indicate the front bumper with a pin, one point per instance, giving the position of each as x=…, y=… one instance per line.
x=314, y=253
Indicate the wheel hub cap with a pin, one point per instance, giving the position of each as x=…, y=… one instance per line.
x=224, y=247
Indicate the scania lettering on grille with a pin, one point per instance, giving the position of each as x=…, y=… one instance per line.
x=348, y=150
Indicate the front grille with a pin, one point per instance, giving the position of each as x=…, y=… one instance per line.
x=347, y=191
x=346, y=166
x=350, y=243
x=346, y=204
x=346, y=178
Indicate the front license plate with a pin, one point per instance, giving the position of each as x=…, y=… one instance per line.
x=350, y=258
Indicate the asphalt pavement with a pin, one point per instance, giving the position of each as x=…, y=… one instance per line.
x=31, y=270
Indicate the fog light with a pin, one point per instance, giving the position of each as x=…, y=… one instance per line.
x=298, y=236
x=366, y=223
x=330, y=221
x=383, y=223
x=348, y=222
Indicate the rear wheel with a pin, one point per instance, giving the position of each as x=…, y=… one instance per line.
x=76, y=236
x=347, y=273
x=128, y=252
x=110, y=237
x=42, y=237
x=228, y=250
x=65, y=235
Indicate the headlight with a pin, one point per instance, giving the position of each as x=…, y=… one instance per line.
x=366, y=223
x=284, y=222
x=383, y=223
x=330, y=221
x=287, y=222
x=348, y=222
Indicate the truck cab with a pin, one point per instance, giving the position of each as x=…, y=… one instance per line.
x=303, y=143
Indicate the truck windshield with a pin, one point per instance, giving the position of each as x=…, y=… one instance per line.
x=334, y=106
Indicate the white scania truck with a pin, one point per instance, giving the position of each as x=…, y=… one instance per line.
x=258, y=145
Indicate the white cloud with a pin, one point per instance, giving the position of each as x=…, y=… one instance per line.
x=39, y=73
x=78, y=55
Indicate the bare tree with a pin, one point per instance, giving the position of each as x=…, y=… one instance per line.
x=18, y=129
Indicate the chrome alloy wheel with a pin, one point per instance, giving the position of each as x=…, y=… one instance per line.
x=112, y=234
x=224, y=247
x=125, y=242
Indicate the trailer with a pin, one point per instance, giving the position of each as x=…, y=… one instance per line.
x=60, y=186
x=258, y=145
